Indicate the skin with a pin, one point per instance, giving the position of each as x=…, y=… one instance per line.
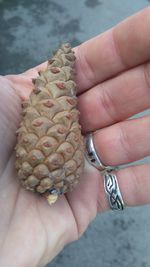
x=113, y=75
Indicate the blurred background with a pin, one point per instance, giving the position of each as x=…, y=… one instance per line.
x=29, y=32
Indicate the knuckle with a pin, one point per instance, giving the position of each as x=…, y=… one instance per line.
x=85, y=65
x=125, y=143
x=147, y=74
x=108, y=104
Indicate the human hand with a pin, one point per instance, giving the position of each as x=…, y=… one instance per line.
x=112, y=74
x=31, y=231
x=114, y=78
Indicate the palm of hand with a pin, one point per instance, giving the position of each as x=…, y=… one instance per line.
x=30, y=230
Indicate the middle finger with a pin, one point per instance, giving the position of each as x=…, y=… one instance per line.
x=116, y=99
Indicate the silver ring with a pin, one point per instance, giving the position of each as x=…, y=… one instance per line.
x=92, y=156
x=111, y=185
x=112, y=191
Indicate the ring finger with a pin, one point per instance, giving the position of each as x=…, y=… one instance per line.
x=134, y=184
x=123, y=142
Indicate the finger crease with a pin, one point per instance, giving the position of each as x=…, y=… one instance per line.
x=117, y=51
x=125, y=144
x=109, y=105
x=85, y=66
x=147, y=74
x=75, y=219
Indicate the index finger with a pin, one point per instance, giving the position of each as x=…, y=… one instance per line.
x=120, y=48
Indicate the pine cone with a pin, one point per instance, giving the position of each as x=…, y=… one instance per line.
x=50, y=148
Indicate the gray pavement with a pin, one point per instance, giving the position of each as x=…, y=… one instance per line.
x=29, y=32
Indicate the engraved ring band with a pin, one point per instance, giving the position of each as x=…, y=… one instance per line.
x=111, y=185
